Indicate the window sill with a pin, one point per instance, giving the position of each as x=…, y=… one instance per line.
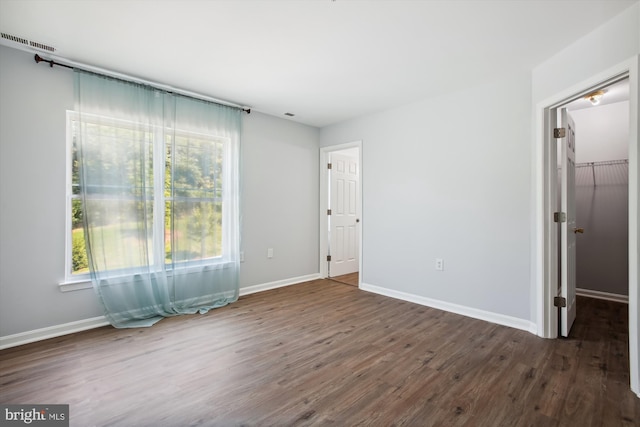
x=75, y=285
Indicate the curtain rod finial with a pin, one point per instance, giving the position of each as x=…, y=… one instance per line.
x=39, y=59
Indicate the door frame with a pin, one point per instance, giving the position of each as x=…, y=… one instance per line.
x=545, y=231
x=324, y=204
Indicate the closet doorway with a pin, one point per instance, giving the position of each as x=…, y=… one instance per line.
x=593, y=200
x=602, y=193
x=546, y=238
x=341, y=213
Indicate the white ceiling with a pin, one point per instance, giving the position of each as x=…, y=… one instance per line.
x=325, y=61
x=617, y=92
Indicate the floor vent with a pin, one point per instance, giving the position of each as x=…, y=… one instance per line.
x=28, y=43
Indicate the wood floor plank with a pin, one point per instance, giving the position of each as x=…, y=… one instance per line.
x=348, y=279
x=321, y=353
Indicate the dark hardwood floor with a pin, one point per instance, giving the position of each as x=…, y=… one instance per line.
x=348, y=279
x=322, y=353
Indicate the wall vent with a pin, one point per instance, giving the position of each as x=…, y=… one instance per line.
x=15, y=39
x=28, y=43
x=42, y=46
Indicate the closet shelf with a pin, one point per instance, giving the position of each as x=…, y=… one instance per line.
x=611, y=172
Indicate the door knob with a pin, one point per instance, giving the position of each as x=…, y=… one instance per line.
x=578, y=230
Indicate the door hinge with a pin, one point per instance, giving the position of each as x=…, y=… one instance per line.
x=328, y=257
x=559, y=132
x=328, y=211
x=559, y=217
x=328, y=165
x=559, y=301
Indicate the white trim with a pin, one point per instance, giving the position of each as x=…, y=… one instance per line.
x=500, y=319
x=543, y=274
x=608, y=296
x=52, y=332
x=194, y=267
x=634, y=231
x=278, y=284
x=75, y=285
x=97, y=322
x=68, y=237
x=324, y=194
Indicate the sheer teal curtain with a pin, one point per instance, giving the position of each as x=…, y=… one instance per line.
x=159, y=184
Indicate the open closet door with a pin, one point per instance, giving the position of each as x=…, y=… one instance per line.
x=568, y=227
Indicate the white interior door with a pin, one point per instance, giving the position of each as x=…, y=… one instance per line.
x=568, y=228
x=344, y=218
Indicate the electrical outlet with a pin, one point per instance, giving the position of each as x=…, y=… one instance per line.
x=439, y=264
x=270, y=253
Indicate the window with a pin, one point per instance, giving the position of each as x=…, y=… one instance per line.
x=77, y=265
x=184, y=200
x=193, y=194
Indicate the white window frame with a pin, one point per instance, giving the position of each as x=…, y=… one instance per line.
x=83, y=280
x=71, y=281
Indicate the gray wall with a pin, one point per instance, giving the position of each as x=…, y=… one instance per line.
x=281, y=208
x=453, y=177
x=606, y=46
x=449, y=178
x=280, y=176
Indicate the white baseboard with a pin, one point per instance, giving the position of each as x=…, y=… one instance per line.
x=500, y=319
x=278, y=284
x=51, y=332
x=96, y=322
x=602, y=295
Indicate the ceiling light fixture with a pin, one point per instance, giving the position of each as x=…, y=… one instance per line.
x=595, y=97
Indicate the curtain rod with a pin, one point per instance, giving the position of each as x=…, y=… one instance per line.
x=169, y=89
